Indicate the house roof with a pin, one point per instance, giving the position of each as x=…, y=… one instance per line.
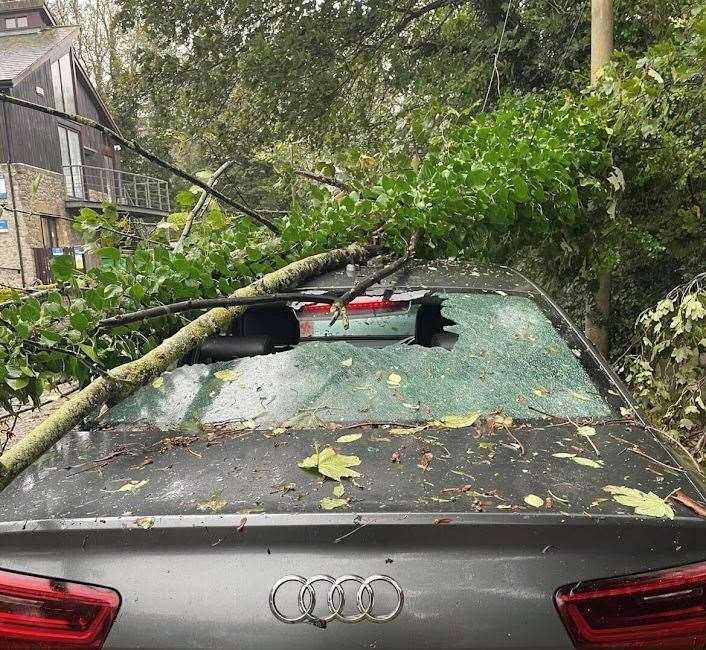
x=20, y=5
x=22, y=52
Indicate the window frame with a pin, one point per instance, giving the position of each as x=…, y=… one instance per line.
x=73, y=177
x=64, y=83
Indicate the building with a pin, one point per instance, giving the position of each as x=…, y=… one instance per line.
x=51, y=168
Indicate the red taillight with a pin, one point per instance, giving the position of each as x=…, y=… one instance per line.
x=48, y=614
x=363, y=303
x=663, y=609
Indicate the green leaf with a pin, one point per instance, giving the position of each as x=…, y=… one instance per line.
x=327, y=503
x=17, y=384
x=214, y=503
x=457, y=421
x=109, y=254
x=534, y=501
x=351, y=437
x=63, y=267
x=644, y=503
x=332, y=465
x=89, y=351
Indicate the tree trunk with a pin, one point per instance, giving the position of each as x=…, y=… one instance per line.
x=596, y=329
x=126, y=379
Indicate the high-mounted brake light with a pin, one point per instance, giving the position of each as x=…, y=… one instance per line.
x=47, y=614
x=662, y=609
x=363, y=303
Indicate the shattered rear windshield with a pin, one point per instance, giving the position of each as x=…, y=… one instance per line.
x=505, y=356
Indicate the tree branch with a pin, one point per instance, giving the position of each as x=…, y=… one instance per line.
x=200, y=205
x=137, y=373
x=325, y=180
x=338, y=308
x=210, y=303
x=137, y=148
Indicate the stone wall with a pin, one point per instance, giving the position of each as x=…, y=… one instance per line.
x=37, y=191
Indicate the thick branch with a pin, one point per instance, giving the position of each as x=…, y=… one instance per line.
x=200, y=205
x=127, y=378
x=339, y=307
x=209, y=303
x=137, y=148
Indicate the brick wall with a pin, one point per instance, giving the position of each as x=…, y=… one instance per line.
x=37, y=191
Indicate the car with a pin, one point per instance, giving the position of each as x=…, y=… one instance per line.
x=450, y=466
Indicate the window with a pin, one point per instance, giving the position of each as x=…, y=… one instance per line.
x=70, y=144
x=63, y=82
x=16, y=23
x=51, y=232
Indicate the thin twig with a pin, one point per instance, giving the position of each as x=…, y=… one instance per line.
x=325, y=180
x=339, y=306
x=639, y=452
x=209, y=303
x=137, y=148
x=495, y=59
x=200, y=205
x=92, y=367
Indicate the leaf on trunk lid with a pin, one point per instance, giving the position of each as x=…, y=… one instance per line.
x=586, y=431
x=644, y=503
x=132, y=486
x=328, y=463
x=339, y=490
x=158, y=383
x=214, y=503
x=304, y=420
x=144, y=522
x=534, y=501
x=587, y=462
x=327, y=503
x=351, y=437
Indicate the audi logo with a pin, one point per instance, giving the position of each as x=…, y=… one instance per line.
x=336, y=599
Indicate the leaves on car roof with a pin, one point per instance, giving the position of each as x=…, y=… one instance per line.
x=144, y=522
x=331, y=464
x=457, y=421
x=394, y=379
x=644, y=503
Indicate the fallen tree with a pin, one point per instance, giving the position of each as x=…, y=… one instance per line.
x=124, y=380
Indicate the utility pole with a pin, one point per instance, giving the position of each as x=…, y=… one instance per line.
x=601, y=48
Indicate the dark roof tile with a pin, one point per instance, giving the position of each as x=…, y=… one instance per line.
x=19, y=51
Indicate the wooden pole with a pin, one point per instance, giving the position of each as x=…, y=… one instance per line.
x=596, y=326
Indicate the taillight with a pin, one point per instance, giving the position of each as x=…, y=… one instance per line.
x=362, y=303
x=48, y=614
x=662, y=609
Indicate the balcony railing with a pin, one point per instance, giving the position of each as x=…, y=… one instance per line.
x=98, y=184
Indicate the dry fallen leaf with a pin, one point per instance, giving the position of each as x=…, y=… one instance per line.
x=339, y=490
x=396, y=457
x=327, y=503
x=132, y=486
x=158, y=383
x=144, y=522
x=347, y=363
x=426, y=459
x=442, y=521
x=588, y=462
x=214, y=503
x=688, y=502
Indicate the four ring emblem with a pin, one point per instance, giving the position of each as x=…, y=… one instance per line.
x=336, y=599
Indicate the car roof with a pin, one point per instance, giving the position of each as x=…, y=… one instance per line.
x=438, y=274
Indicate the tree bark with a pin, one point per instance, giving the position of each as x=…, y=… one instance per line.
x=126, y=379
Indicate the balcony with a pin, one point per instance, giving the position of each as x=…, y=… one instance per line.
x=138, y=194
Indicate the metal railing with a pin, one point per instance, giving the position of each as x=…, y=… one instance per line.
x=101, y=184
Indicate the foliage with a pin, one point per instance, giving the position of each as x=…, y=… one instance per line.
x=667, y=372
